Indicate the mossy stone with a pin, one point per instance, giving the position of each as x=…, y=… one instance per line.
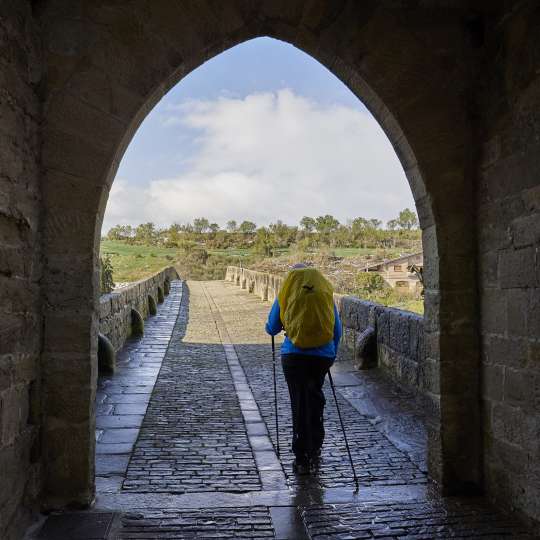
x=160, y=296
x=106, y=355
x=152, y=306
x=137, y=323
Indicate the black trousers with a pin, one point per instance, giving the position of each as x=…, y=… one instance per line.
x=305, y=378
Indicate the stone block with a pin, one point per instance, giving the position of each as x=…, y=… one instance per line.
x=106, y=355
x=531, y=199
x=13, y=413
x=493, y=382
x=508, y=424
x=511, y=352
x=87, y=162
x=72, y=332
x=517, y=268
x=525, y=231
x=493, y=311
x=428, y=376
x=399, y=331
x=409, y=373
x=383, y=327
x=517, y=309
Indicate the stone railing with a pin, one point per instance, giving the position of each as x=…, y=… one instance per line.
x=117, y=309
x=398, y=340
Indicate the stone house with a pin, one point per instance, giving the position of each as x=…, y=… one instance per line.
x=398, y=272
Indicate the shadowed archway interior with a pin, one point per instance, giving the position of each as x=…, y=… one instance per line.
x=456, y=91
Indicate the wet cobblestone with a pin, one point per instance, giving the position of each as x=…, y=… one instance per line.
x=418, y=520
x=377, y=460
x=246, y=523
x=193, y=437
x=193, y=450
x=122, y=397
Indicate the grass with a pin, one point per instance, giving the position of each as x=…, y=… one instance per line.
x=132, y=262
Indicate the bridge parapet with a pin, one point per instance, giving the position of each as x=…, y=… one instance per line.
x=398, y=347
x=115, y=319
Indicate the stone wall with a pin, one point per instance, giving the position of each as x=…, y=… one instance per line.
x=115, y=308
x=509, y=257
x=399, y=334
x=20, y=268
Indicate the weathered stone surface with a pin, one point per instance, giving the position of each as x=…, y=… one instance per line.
x=116, y=315
x=462, y=114
x=106, y=355
x=20, y=265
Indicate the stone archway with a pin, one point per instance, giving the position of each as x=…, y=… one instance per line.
x=109, y=62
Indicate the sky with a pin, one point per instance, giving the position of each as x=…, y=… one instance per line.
x=261, y=132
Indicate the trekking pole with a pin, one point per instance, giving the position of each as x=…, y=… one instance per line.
x=344, y=434
x=275, y=393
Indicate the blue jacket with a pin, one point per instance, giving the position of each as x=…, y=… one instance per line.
x=329, y=350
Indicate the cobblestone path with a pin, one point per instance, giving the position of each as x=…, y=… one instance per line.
x=186, y=444
x=418, y=520
x=254, y=522
x=193, y=436
x=377, y=460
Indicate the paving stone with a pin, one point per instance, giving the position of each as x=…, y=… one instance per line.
x=114, y=448
x=119, y=421
x=194, y=440
x=377, y=460
x=248, y=523
x=130, y=409
x=77, y=526
x=193, y=436
x=119, y=435
x=444, y=518
x=107, y=464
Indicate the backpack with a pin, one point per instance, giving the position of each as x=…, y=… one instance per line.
x=306, y=304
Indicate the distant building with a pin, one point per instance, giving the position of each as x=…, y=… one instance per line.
x=398, y=273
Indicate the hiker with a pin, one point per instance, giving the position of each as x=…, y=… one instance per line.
x=305, y=309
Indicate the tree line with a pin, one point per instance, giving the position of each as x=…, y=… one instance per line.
x=310, y=233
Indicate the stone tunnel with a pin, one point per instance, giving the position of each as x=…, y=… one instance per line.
x=455, y=86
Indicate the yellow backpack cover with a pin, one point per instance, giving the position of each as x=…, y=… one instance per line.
x=306, y=304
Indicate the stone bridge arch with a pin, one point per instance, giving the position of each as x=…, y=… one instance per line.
x=107, y=65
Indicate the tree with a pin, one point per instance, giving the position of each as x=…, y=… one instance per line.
x=120, y=232
x=307, y=223
x=200, y=225
x=247, y=227
x=232, y=226
x=392, y=225
x=407, y=219
x=145, y=233
x=214, y=227
x=263, y=242
x=326, y=224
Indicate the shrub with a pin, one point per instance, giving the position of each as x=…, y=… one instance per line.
x=369, y=282
x=106, y=275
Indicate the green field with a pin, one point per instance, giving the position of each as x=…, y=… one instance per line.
x=132, y=262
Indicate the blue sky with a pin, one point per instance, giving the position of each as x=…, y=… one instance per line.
x=261, y=132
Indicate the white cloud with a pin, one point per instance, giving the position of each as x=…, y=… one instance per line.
x=270, y=156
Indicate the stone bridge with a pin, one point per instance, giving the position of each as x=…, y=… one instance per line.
x=186, y=442
x=455, y=86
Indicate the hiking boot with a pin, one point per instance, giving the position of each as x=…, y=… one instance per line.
x=315, y=459
x=301, y=466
